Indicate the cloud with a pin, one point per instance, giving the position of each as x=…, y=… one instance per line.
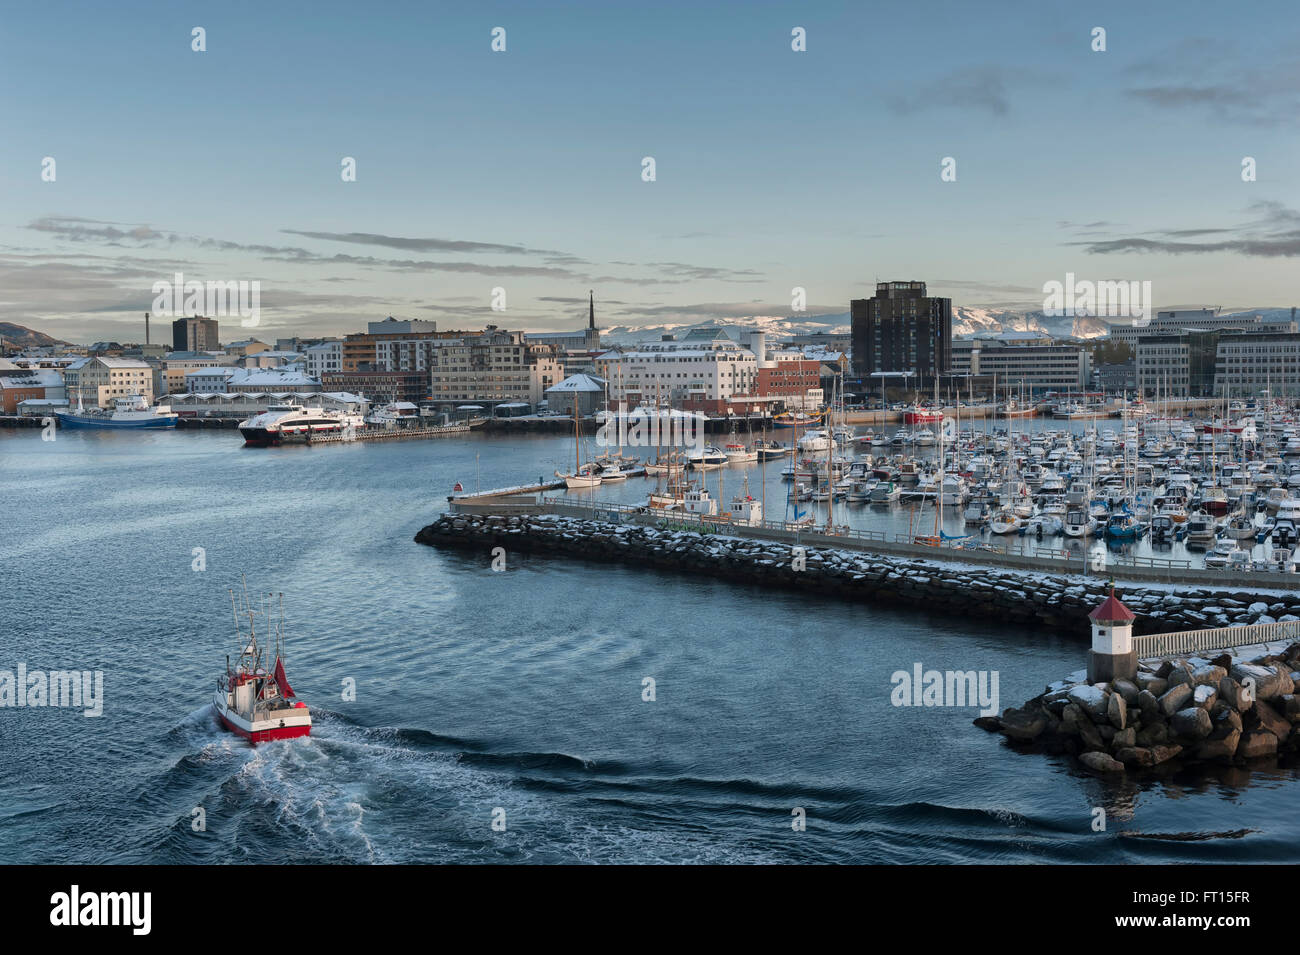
x=1200, y=75
x=406, y=244
x=973, y=87
x=1272, y=232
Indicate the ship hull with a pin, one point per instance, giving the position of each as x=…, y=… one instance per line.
x=296, y=725
x=271, y=734
x=88, y=421
x=271, y=438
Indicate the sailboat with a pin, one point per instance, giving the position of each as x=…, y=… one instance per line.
x=584, y=475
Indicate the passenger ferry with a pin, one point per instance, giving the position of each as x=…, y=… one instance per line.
x=279, y=424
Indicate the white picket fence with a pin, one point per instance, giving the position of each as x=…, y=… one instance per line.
x=1217, y=638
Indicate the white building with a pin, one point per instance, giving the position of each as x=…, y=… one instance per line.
x=701, y=372
x=492, y=367
x=232, y=380
x=246, y=404
x=322, y=359
x=96, y=382
x=1178, y=320
x=1027, y=358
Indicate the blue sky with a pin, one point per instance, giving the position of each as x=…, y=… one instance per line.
x=522, y=169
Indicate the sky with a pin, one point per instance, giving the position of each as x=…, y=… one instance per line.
x=522, y=170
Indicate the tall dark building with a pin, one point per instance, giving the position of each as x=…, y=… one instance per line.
x=901, y=329
x=195, y=334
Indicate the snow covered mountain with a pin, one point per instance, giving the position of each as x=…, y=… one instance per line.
x=966, y=320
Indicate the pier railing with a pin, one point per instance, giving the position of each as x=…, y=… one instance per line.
x=1217, y=638
x=1042, y=560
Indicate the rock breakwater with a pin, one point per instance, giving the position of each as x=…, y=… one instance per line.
x=1180, y=712
x=941, y=586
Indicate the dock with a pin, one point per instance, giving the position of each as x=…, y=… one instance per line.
x=534, y=500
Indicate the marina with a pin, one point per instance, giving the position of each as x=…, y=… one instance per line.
x=1164, y=494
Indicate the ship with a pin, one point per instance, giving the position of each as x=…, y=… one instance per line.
x=918, y=414
x=284, y=424
x=132, y=411
x=253, y=699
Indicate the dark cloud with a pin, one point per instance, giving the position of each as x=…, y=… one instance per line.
x=409, y=244
x=1272, y=232
x=973, y=87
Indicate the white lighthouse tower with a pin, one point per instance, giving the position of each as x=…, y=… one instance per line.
x=1112, y=656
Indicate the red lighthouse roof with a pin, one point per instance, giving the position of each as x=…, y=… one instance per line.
x=1112, y=611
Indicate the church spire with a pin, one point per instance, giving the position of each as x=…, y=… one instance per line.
x=591, y=315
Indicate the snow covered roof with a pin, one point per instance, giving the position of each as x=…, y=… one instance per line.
x=576, y=383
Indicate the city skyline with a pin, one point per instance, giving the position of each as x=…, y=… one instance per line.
x=522, y=169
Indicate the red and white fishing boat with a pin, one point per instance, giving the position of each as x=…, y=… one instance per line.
x=919, y=414
x=252, y=699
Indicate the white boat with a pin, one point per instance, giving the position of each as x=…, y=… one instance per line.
x=588, y=475
x=707, y=458
x=954, y=492
x=1241, y=527
x=283, y=424
x=739, y=454
x=1006, y=521
x=746, y=510
x=611, y=472
x=697, y=501
x=885, y=492
x=1221, y=555
x=1200, y=529
x=1078, y=523
x=860, y=490
x=814, y=441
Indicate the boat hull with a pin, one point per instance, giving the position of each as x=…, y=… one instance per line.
x=296, y=725
x=90, y=421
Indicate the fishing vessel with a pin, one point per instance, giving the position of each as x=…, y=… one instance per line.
x=253, y=697
x=287, y=424
x=131, y=411
x=918, y=414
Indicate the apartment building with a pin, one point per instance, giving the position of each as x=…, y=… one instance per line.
x=492, y=367
x=96, y=381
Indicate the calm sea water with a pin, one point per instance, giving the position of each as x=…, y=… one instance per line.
x=519, y=691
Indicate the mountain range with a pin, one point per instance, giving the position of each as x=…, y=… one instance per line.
x=967, y=320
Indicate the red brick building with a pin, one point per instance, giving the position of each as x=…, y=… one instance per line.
x=19, y=388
